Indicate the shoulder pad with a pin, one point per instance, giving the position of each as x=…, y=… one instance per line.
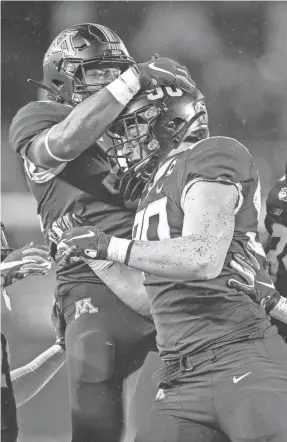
x=217, y=157
x=33, y=118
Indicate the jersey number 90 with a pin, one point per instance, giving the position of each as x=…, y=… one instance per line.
x=151, y=223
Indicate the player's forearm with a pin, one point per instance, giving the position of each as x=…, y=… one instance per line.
x=85, y=125
x=176, y=258
x=87, y=122
x=127, y=284
x=28, y=380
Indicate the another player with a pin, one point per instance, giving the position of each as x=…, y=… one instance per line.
x=225, y=365
x=276, y=225
x=91, y=78
x=20, y=385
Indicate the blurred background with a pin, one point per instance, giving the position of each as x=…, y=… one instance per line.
x=237, y=54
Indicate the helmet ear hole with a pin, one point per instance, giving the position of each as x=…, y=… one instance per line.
x=174, y=124
x=58, y=83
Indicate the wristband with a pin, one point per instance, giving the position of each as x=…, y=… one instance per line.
x=125, y=86
x=118, y=249
x=128, y=254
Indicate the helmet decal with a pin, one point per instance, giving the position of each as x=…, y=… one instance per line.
x=62, y=43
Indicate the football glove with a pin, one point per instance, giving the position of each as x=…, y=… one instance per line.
x=247, y=268
x=164, y=72
x=131, y=188
x=59, y=324
x=258, y=284
x=32, y=259
x=65, y=223
x=85, y=242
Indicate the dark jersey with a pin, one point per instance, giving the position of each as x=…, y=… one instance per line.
x=84, y=186
x=191, y=316
x=9, y=427
x=276, y=213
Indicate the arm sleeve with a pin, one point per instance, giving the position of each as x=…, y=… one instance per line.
x=28, y=380
x=217, y=159
x=28, y=123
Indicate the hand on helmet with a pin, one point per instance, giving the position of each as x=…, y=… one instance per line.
x=164, y=72
x=31, y=259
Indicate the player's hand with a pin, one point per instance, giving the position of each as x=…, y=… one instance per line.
x=65, y=223
x=85, y=242
x=253, y=270
x=164, y=72
x=130, y=188
x=59, y=324
x=32, y=259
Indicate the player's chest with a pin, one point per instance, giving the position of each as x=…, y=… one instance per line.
x=159, y=215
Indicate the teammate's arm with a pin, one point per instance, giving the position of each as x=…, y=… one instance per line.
x=209, y=218
x=84, y=125
x=28, y=380
x=126, y=283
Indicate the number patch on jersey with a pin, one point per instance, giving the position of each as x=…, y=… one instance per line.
x=151, y=223
x=161, y=91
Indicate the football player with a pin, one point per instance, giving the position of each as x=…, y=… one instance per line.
x=276, y=225
x=225, y=364
x=90, y=77
x=20, y=385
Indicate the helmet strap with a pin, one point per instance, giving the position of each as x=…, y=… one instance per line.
x=178, y=138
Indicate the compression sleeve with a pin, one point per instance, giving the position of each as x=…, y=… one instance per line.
x=28, y=380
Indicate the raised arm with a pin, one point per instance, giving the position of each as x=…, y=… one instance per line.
x=84, y=125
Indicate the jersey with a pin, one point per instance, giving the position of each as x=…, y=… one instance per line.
x=9, y=427
x=191, y=316
x=276, y=213
x=84, y=186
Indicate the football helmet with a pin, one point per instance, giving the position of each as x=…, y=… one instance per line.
x=73, y=51
x=170, y=115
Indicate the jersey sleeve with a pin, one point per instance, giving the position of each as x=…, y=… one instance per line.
x=28, y=123
x=276, y=205
x=217, y=159
x=33, y=119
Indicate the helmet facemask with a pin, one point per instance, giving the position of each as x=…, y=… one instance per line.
x=130, y=133
x=76, y=71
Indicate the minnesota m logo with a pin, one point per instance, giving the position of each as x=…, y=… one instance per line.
x=85, y=306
